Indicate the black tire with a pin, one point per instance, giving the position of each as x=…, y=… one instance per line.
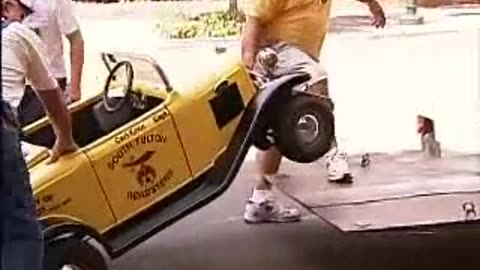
x=261, y=139
x=287, y=139
x=262, y=143
x=74, y=252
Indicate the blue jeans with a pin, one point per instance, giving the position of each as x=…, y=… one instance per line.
x=21, y=245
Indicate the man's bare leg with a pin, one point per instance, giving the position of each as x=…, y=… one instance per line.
x=268, y=164
x=336, y=162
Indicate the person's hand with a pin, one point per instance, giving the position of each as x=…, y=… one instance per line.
x=249, y=63
x=74, y=96
x=376, y=9
x=248, y=59
x=60, y=148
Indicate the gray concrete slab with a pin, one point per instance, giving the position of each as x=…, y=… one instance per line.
x=388, y=177
x=395, y=190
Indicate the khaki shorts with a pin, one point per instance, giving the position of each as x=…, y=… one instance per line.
x=292, y=59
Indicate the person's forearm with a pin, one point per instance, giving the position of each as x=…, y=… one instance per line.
x=56, y=109
x=76, y=62
x=251, y=41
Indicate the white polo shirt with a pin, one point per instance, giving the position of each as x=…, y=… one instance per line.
x=53, y=19
x=23, y=59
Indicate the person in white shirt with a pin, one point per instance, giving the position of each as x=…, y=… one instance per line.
x=53, y=20
x=23, y=59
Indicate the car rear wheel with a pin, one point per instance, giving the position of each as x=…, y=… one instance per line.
x=304, y=128
x=73, y=254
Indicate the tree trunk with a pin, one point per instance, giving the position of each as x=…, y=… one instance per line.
x=233, y=6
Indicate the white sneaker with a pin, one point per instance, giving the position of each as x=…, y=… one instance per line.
x=338, y=171
x=263, y=208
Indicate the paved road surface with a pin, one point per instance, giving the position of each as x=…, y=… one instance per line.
x=216, y=238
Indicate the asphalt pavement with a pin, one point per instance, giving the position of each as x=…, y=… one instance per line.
x=216, y=237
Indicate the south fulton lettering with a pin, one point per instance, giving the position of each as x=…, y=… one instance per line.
x=145, y=139
x=154, y=188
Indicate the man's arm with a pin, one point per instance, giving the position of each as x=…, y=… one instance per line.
x=251, y=40
x=49, y=93
x=54, y=103
x=70, y=28
x=76, y=63
x=259, y=13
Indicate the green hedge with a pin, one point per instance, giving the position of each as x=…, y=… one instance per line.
x=206, y=25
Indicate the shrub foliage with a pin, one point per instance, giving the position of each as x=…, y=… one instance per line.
x=213, y=24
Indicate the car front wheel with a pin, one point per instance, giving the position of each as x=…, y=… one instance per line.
x=73, y=254
x=305, y=128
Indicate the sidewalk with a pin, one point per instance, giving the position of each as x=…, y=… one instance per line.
x=356, y=23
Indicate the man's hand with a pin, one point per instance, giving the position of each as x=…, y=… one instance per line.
x=376, y=9
x=249, y=60
x=61, y=147
x=74, y=95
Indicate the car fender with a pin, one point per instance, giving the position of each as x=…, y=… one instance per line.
x=56, y=228
x=275, y=89
x=271, y=96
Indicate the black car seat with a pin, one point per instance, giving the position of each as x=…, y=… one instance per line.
x=111, y=120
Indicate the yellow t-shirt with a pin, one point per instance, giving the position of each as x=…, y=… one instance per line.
x=300, y=22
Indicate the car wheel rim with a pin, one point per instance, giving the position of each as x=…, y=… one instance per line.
x=308, y=128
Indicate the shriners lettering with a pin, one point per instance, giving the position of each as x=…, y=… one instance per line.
x=145, y=139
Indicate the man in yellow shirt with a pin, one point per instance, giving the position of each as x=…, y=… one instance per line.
x=295, y=30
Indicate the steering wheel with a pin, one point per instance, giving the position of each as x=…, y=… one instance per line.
x=117, y=74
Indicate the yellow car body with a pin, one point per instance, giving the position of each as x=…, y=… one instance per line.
x=100, y=185
x=178, y=148
x=177, y=140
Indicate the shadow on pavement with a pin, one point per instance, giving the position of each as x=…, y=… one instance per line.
x=443, y=250
x=308, y=246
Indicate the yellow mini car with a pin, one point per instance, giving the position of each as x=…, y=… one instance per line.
x=152, y=152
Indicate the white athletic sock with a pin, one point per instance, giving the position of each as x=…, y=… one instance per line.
x=260, y=195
